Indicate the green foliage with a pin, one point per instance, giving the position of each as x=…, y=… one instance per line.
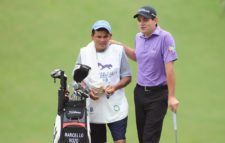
x=40, y=35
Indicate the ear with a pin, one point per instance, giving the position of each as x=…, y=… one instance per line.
x=156, y=19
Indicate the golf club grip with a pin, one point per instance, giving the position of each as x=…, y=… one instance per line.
x=175, y=126
x=174, y=121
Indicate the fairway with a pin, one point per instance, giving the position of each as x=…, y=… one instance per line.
x=39, y=36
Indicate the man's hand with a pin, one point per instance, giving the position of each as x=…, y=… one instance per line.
x=115, y=42
x=173, y=104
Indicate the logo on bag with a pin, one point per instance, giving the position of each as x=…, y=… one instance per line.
x=74, y=112
x=74, y=135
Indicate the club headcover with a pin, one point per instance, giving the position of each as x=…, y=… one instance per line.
x=80, y=72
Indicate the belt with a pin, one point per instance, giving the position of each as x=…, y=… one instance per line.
x=151, y=88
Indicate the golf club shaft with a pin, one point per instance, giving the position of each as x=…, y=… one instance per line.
x=175, y=126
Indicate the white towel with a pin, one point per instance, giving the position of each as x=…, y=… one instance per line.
x=88, y=57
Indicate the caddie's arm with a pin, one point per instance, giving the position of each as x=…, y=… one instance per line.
x=170, y=74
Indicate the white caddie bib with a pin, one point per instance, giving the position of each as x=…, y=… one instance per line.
x=115, y=108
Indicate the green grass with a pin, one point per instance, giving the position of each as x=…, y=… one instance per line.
x=40, y=35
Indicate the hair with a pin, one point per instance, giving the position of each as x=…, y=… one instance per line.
x=153, y=17
x=100, y=29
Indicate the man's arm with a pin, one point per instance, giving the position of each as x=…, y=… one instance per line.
x=129, y=51
x=170, y=74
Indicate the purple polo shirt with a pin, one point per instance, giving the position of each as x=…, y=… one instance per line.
x=152, y=54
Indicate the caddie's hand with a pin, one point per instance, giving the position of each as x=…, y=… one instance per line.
x=173, y=104
x=93, y=95
x=109, y=90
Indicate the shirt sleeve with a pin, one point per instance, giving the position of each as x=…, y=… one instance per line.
x=125, y=67
x=169, y=49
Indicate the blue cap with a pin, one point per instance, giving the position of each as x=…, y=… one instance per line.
x=102, y=24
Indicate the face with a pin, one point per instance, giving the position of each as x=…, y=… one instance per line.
x=146, y=25
x=101, y=39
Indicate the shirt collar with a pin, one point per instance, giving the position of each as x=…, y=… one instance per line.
x=156, y=32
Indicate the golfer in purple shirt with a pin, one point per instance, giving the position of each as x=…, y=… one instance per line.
x=155, y=54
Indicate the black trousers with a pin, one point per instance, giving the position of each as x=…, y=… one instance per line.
x=150, y=107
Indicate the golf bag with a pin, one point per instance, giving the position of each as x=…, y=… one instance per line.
x=71, y=125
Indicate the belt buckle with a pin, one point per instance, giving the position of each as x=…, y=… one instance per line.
x=146, y=88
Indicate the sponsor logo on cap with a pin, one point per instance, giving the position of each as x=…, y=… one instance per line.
x=143, y=10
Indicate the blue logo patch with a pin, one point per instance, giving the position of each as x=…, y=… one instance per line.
x=109, y=66
x=91, y=109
